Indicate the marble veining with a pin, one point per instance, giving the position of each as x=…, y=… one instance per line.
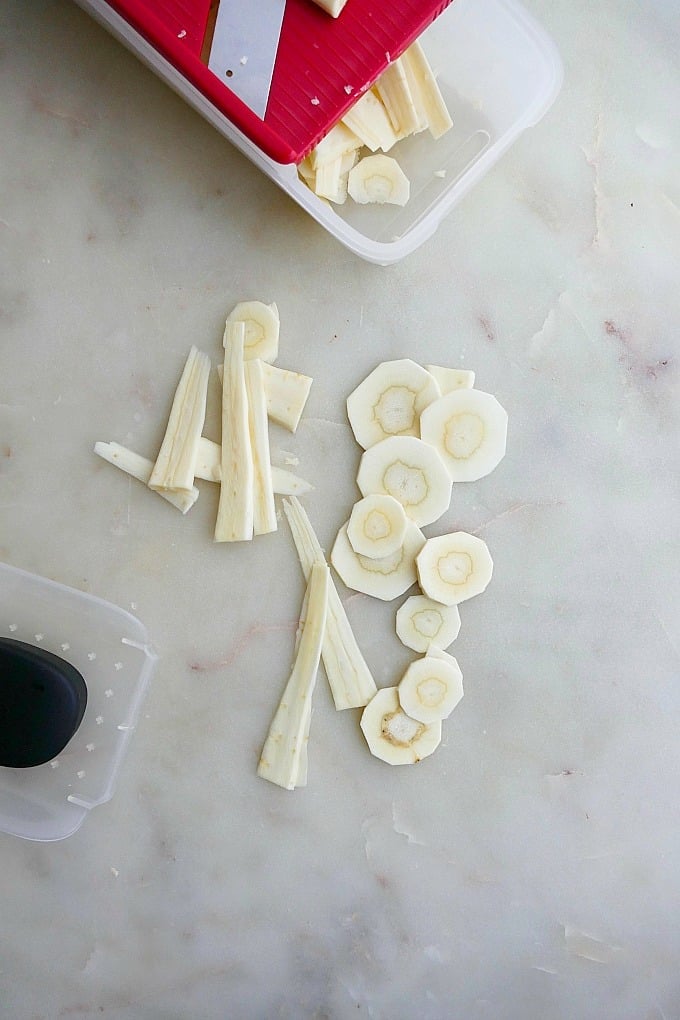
x=529, y=868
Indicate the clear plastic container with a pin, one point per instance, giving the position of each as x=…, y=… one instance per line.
x=499, y=73
x=111, y=650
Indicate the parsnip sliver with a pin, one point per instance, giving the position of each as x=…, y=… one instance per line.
x=235, y=510
x=174, y=467
x=264, y=511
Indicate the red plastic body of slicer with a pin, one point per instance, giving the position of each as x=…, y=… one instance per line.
x=319, y=58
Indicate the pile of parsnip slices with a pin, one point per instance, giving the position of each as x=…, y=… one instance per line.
x=422, y=429
x=254, y=391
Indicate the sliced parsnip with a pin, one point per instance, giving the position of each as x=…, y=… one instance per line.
x=378, y=179
x=141, y=467
x=395, y=737
x=369, y=121
x=453, y=568
x=426, y=94
x=377, y=526
x=302, y=769
x=449, y=379
x=469, y=430
x=287, y=394
x=348, y=675
x=307, y=171
x=174, y=467
x=285, y=483
x=349, y=160
x=431, y=688
x=393, y=89
x=209, y=467
x=264, y=511
x=339, y=141
x=412, y=472
x=421, y=622
x=385, y=578
x=283, y=760
x=332, y=7
x=235, y=510
x=327, y=183
x=208, y=460
x=261, y=329
x=389, y=401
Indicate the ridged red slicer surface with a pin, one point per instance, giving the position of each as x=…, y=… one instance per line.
x=323, y=64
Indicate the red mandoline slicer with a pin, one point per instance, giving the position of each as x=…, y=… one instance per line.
x=282, y=71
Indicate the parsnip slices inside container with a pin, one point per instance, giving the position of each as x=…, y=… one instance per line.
x=405, y=100
x=378, y=179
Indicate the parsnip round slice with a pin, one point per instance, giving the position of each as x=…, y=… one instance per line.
x=377, y=526
x=453, y=568
x=431, y=688
x=410, y=471
x=262, y=329
x=422, y=621
x=389, y=401
x=469, y=429
x=378, y=179
x=392, y=735
x=386, y=578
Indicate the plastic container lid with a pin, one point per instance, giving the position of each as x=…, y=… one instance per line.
x=111, y=650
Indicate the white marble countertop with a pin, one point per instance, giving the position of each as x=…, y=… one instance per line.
x=529, y=868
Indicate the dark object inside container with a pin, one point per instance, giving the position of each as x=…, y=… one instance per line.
x=42, y=703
